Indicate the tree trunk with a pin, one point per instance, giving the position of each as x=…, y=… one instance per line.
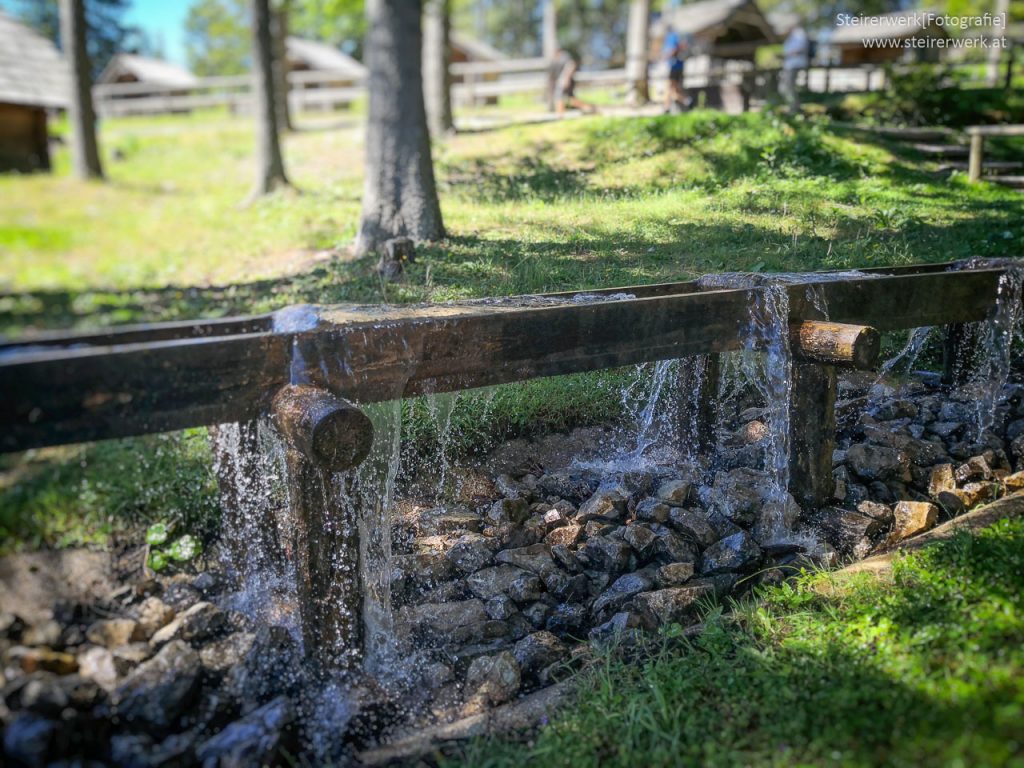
x=84, y=150
x=270, y=164
x=399, y=196
x=280, y=29
x=637, y=50
x=995, y=53
x=549, y=30
x=437, y=80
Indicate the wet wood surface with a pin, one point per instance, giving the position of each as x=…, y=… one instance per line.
x=167, y=377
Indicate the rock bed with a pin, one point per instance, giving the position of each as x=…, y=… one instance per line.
x=492, y=599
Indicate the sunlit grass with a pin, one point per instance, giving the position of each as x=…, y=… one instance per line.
x=923, y=668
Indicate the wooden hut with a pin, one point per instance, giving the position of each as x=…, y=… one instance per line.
x=131, y=68
x=330, y=69
x=33, y=80
x=718, y=29
x=886, y=38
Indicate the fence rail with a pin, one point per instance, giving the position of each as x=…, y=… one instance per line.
x=474, y=81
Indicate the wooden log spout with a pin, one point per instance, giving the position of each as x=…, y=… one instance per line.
x=324, y=436
x=851, y=346
x=326, y=429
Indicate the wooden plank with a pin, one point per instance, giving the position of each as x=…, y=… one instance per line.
x=60, y=395
x=812, y=428
x=996, y=130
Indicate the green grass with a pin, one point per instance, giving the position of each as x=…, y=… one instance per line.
x=572, y=204
x=925, y=669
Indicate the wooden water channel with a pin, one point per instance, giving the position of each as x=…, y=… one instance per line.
x=66, y=388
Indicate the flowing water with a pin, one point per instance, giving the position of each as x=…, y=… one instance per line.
x=655, y=433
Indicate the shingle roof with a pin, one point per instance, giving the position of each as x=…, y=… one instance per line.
x=695, y=18
x=146, y=70
x=32, y=71
x=317, y=55
x=476, y=50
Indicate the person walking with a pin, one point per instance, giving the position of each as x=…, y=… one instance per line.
x=794, y=58
x=676, y=49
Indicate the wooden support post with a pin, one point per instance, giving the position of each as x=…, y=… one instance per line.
x=818, y=347
x=976, y=159
x=812, y=429
x=325, y=435
x=697, y=403
x=958, y=355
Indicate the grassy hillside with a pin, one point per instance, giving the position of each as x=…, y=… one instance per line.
x=922, y=667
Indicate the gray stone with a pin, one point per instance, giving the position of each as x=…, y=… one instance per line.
x=46, y=633
x=28, y=739
x=537, y=613
x=566, y=558
x=674, y=574
x=158, y=691
x=538, y=651
x=493, y=581
x=153, y=615
x=97, y=663
x=642, y=539
x=111, y=633
x=535, y=558
x=607, y=504
x=946, y=429
x=496, y=678
x=563, y=586
x=564, y=485
x=525, y=588
x=652, y=511
x=220, y=656
x=674, y=492
x=568, y=620
x=201, y=622
x=674, y=605
x=874, y=462
x=624, y=628
x=514, y=511
x=564, y=535
x=621, y=590
x=435, y=620
x=500, y=608
x=733, y=553
x=271, y=668
x=693, y=524
x=606, y=553
x=740, y=493
x=470, y=554
x=670, y=547
x=256, y=739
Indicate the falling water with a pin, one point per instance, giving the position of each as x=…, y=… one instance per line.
x=989, y=343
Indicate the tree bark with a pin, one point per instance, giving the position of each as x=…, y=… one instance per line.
x=437, y=80
x=399, y=196
x=1002, y=7
x=280, y=30
x=549, y=30
x=270, y=164
x=81, y=114
x=637, y=45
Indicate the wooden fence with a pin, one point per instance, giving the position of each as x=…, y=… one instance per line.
x=474, y=82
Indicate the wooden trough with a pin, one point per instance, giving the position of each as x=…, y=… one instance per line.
x=306, y=367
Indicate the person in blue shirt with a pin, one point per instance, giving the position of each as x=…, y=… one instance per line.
x=676, y=50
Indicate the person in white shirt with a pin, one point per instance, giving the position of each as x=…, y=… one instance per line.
x=794, y=58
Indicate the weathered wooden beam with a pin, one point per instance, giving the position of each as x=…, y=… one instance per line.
x=812, y=430
x=324, y=434
x=327, y=429
x=855, y=346
x=54, y=394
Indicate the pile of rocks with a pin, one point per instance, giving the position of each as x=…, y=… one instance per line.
x=168, y=679
x=492, y=598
